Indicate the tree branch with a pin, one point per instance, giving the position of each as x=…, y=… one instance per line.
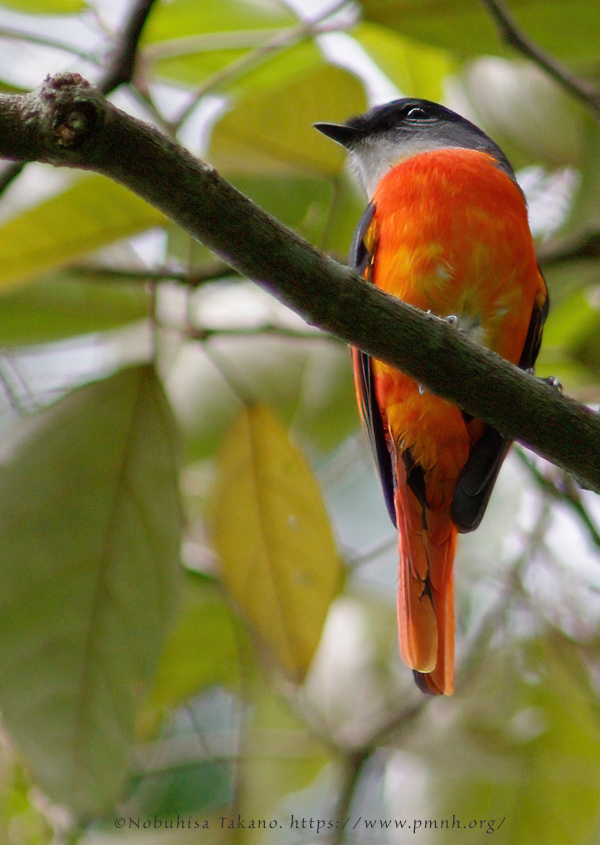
x=119, y=71
x=68, y=123
x=514, y=36
x=560, y=488
x=580, y=247
x=122, y=65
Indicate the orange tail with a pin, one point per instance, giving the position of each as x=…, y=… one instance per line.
x=426, y=542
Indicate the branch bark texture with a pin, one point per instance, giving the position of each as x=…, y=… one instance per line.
x=67, y=122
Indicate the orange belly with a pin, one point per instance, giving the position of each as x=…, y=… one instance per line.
x=453, y=240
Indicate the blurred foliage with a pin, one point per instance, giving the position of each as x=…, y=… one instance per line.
x=148, y=423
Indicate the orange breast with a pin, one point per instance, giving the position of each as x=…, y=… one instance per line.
x=452, y=238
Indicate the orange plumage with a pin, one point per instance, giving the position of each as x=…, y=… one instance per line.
x=448, y=234
x=445, y=230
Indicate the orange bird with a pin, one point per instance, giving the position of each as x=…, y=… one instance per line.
x=445, y=230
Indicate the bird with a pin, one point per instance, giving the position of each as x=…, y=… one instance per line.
x=446, y=230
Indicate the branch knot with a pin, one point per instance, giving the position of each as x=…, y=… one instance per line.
x=73, y=114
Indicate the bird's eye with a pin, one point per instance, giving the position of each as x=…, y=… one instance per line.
x=416, y=112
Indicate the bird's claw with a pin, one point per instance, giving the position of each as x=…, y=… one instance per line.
x=452, y=320
x=552, y=381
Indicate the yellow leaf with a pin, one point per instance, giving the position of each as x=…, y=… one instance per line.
x=273, y=537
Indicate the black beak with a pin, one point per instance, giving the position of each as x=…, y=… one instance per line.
x=347, y=136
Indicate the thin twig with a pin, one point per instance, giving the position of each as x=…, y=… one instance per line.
x=266, y=329
x=282, y=40
x=513, y=35
x=44, y=41
x=201, y=274
x=586, y=246
x=352, y=767
x=122, y=63
x=567, y=493
x=354, y=560
x=208, y=42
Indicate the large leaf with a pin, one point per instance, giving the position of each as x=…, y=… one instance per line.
x=270, y=129
x=60, y=306
x=308, y=383
x=584, y=214
x=90, y=214
x=190, y=41
x=416, y=69
x=90, y=527
x=182, y=18
x=273, y=537
x=46, y=7
x=205, y=648
x=282, y=756
x=564, y=28
x=300, y=203
x=523, y=746
x=569, y=351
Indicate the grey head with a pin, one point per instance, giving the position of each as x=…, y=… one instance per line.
x=392, y=133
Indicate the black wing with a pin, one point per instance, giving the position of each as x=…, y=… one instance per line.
x=487, y=454
x=360, y=260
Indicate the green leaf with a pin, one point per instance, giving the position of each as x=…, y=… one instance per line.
x=90, y=214
x=282, y=756
x=46, y=7
x=307, y=382
x=326, y=412
x=568, y=29
x=324, y=212
x=88, y=579
x=270, y=129
x=204, y=648
x=190, y=42
x=301, y=203
x=192, y=780
x=571, y=319
x=584, y=216
x=194, y=67
x=182, y=18
x=11, y=88
x=273, y=537
x=60, y=306
x=347, y=206
x=416, y=69
x=276, y=69
x=570, y=348
x=524, y=746
x=21, y=819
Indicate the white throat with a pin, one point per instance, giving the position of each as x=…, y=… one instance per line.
x=375, y=156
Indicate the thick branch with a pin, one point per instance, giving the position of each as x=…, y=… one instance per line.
x=68, y=123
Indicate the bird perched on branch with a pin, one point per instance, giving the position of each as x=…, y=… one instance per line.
x=446, y=231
